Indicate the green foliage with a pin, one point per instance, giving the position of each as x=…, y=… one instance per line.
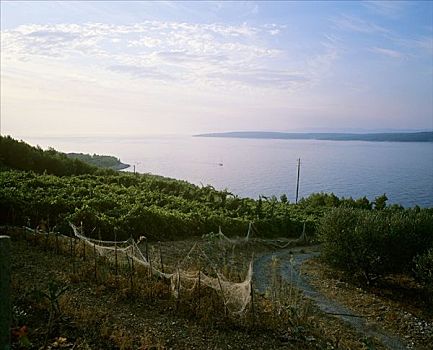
x=423, y=269
x=98, y=160
x=283, y=198
x=380, y=202
x=60, y=190
x=369, y=244
x=52, y=294
x=154, y=206
x=330, y=200
x=19, y=155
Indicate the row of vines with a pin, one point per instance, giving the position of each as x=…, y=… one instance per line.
x=128, y=204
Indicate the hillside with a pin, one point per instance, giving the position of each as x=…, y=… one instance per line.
x=99, y=161
x=43, y=185
x=73, y=292
x=19, y=155
x=374, y=137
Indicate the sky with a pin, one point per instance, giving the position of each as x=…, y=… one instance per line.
x=135, y=68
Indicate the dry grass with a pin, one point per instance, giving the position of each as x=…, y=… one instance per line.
x=394, y=305
x=105, y=310
x=111, y=313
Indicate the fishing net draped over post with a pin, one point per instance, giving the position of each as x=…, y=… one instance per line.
x=195, y=269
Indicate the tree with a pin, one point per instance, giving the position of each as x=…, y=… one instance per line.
x=380, y=202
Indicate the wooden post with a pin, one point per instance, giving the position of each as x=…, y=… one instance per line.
x=5, y=292
x=150, y=267
x=70, y=241
x=252, y=302
x=96, y=260
x=57, y=243
x=130, y=271
x=222, y=294
x=132, y=266
x=73, y=255
x=147, y=251
x=199, y=291
x=160, y=257
x=178, y=289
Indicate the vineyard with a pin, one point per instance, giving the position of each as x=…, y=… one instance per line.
x=52, y=295
x=189, y=249
x=38, y=185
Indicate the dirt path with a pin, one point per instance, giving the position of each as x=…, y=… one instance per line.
x=290, y=271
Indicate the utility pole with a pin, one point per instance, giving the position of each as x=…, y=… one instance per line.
x=297, y=182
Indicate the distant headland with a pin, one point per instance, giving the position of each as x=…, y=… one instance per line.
x=425, y=136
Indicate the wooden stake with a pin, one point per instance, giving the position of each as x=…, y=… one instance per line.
x=70, y=241
x=94, y=254
x=178, y=289
x=199, y=291
x=130, y=271
x=73, y=256
x=252, y=301
x=132, y=265
x=160, y=257
x=147, y=251
x=222, y=293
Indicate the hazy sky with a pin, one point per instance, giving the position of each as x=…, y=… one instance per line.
x=79, y=68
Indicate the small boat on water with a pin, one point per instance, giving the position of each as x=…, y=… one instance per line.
x=220, y=164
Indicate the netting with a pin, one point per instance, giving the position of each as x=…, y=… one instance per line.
x=196, y=268
x=221, y=236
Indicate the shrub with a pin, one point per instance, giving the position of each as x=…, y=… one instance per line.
x=369, y=244
x=423, y=270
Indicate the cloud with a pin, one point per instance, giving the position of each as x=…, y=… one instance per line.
x=265, y=78
x=390, y=9
x=142, y=72
x=172, y=52
x=425, y=43
x=387, y=52
x=355, y=24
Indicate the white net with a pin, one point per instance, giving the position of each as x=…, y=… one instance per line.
x=195, y=269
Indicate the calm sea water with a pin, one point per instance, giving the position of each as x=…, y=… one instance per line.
x=250, y=167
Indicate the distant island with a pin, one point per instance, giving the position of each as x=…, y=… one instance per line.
x=425, y=136
x=99, y=161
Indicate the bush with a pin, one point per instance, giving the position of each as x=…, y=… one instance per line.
x=423, y=269
x=369, y=244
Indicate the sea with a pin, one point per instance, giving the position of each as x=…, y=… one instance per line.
x=268, y=167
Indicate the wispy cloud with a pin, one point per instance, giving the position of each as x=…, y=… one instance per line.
x=356, y=24
x=390, y=9
x=163, y=51
x=425, y=43
x=387, y=52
